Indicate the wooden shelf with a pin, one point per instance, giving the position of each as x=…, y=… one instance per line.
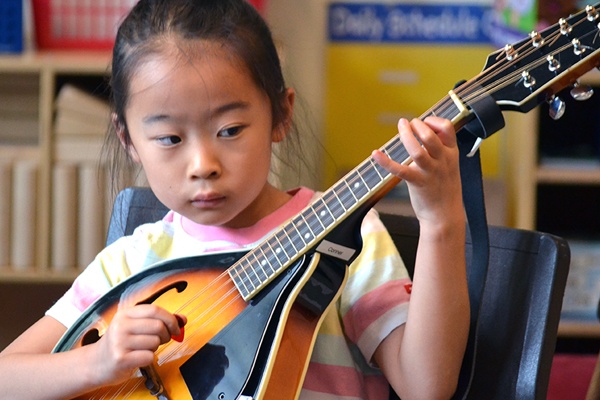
x=568, y=175
x=80, y=62
x=47, y=72
x=572, y=329
x=9, y=274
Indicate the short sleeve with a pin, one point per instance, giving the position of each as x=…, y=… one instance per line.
x=375, y=299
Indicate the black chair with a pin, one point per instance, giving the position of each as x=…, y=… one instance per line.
x=520, y=308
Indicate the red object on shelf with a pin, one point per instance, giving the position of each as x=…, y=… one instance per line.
x=84, y=25
x=259, y=4
x=88, y=25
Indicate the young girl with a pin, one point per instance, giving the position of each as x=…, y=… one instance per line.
x=199, y=101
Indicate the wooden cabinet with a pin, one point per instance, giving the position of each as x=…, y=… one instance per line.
x=29, y=84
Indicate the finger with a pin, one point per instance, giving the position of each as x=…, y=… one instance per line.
x=141, y=342
x=391, y=166
x=428, y=139
x=158, y=321
x=444, y=130
x=409, y=135
x=138, y=359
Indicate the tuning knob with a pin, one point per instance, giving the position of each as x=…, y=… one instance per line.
x=581, y=92
x=557, y=107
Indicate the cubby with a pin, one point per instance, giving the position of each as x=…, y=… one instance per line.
x=555, y=183
x=29, y=84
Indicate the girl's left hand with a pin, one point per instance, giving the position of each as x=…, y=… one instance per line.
x=433, y=178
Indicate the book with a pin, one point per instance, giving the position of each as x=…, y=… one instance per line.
x=64, y=217
x=5, y=211
x=76, y=101
x=18, y=130
x=91, y=213
x=23, y=220
x=78, y=148
x=70, y=122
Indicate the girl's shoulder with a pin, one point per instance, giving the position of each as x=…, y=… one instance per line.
x=147, y=244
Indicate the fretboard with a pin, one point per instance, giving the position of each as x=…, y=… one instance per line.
x=258, y=267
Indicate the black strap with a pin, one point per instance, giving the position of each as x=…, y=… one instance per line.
x=489, y=119
x=473, y=198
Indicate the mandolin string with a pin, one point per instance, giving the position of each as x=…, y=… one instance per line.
x=197, y=323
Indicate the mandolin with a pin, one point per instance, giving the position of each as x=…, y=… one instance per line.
x=253, y=316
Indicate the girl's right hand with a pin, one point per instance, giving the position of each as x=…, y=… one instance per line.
x=131, y=340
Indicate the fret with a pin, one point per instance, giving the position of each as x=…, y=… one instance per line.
x=253, y=278
x=269, y=258
x=357, y=184
x=241, y=277
x=314, y=222
x=299, y=230
x=257, y=267
x=378, y=169
x=349, y=189
x=324, y=214
x=309, y=233
x=396, y=150
x=334, y=204
x=286, y=244
x=277, y=250
x=294, y=238
x=342, y=193
x=369, y=175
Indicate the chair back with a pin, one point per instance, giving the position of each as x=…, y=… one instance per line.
x=520, y=310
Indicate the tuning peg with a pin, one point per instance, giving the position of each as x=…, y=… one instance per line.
x=557, y=107
x=581, y=92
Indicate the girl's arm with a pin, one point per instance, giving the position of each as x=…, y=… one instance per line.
x=28, y=369
x=422, y=359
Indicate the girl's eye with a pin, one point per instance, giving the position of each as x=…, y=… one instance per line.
x=231, y=131
x=169, y=140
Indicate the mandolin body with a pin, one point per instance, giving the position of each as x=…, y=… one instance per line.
x=232, y=348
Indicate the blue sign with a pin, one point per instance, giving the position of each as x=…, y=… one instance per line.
x=414, y=23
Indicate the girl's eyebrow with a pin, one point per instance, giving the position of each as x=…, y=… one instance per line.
x=151, y=119
x=234, y=105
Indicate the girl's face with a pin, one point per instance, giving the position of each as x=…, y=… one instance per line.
x=202, y=131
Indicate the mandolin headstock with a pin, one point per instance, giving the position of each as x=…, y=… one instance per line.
x=523, y=75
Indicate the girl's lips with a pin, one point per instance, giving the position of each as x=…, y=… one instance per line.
x=208, y=201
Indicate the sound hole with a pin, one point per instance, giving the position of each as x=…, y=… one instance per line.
x=93, y=335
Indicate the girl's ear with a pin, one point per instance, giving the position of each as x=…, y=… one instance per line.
x=284, y=126
x=121, y=134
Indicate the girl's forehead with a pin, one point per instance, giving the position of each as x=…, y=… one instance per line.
x=186, y=81
x=203, y=66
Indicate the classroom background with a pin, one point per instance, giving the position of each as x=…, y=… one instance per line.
x=357, y=66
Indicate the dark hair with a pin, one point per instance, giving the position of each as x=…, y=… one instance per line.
x=234, y=24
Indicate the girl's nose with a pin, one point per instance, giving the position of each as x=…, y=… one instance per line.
x=204, y=163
